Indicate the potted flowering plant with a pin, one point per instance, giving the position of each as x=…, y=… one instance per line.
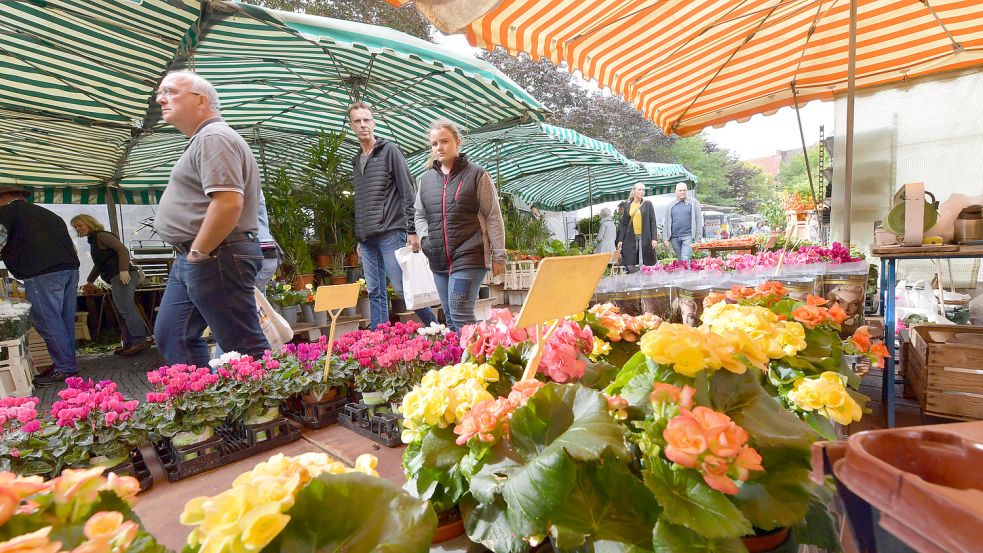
x=97, y=425
x=290, y=300
x=391, y=359
x=310, y=503
x=189, y=402
x=686, y=448
x=797, y=345
x=437, y=470
x=253, y=392
x=24, y=445
x=301, y=366
x=15, y=319
x=80, y=510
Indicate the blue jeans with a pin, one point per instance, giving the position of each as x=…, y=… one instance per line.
x=379, y=260
x=54, y=298
x=263, y=278
x=683, y=246
x=458, y=294
x=216, y=292
x=134, y=325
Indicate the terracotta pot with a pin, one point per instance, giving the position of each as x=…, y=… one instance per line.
x=301, y=281
x=338, y=279
x=450, y=526
x=322, y=260
x=353, y=259
x=766, y=542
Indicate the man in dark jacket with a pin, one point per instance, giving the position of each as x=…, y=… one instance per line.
x=36, y=248
x=384, y=195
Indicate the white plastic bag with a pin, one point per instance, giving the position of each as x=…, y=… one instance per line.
x=419, y=289
x=917, y=295
x=275, y=327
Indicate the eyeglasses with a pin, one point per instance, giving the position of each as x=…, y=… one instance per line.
x=167, y=92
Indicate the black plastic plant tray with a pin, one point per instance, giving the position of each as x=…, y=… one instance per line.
x=383, y=428
x=314, y=415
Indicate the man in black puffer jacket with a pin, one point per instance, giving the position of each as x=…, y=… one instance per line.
x=384, y=195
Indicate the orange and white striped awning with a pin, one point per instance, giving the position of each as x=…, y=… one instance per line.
x=689, y=64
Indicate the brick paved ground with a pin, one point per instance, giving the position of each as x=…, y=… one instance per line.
x=127, y=372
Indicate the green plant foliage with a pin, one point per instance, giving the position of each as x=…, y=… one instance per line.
x=687, y=501
x=561, y=428
x=354, y=512
x=523, y=232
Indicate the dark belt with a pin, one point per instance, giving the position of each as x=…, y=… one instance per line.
x=185, y=247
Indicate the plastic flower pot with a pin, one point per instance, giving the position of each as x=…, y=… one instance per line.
x=373, y=398
x=326, y=396
x=264, y=416
x=290, y=314
x=182, y=439
x=308, y=310
x=321, y=318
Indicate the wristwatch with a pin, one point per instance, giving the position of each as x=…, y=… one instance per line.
x=195, y=253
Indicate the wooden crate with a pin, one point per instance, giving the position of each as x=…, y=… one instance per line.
x=946, y=378
x=15, y=369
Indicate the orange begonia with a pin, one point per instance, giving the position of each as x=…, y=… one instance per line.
x=836, y=314
x=809, y=315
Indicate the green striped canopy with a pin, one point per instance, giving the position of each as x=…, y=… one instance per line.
x=578, y=187
x=78, y=119
x=558, y=168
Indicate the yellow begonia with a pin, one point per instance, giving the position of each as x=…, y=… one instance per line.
x=767, y=337
x=443, y=397
x=601, y=348
x=826, y=395
x=690, y=350
x=251, y=514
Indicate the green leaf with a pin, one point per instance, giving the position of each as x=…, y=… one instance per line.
x=780, y=497
x=355, y=512
x=568, y=417
x=768, y=424
x=822, y=425
x=598, y=374
x=632, y=368
x=486, y=524
x=671, y=538
x=818, y=528
x=688, y=501
x=607, y=504
x=558, y=425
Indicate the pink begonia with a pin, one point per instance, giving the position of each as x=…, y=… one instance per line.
x=561, y=356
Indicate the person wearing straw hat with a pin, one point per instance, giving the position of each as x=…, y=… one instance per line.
x=36, y=248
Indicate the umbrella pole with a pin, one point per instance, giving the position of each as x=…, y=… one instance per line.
x=590, y=200
x=850, y=93
x=805, y=155
x=111, y=207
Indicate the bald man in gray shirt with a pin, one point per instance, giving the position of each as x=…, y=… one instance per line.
x=209, y=214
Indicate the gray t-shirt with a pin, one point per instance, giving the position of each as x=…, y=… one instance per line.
x=217, y=159
x=682, y=220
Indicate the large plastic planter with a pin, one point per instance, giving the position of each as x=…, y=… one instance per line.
x=911, y=489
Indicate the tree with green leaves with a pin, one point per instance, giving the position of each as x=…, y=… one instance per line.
x=373, y=12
